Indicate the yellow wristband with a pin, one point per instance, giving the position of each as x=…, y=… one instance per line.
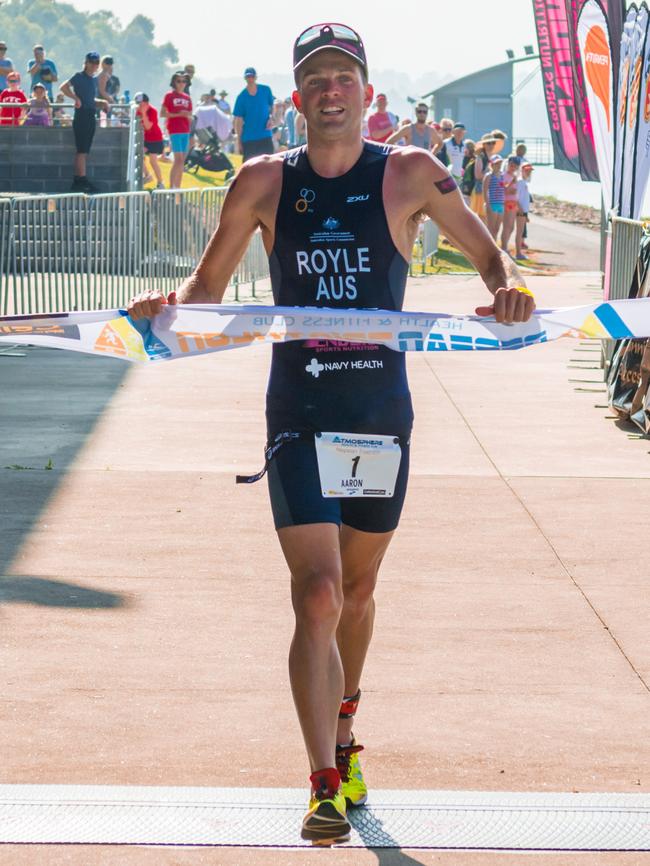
x=525, y=291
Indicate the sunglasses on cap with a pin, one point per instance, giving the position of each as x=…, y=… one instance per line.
x=321, y=36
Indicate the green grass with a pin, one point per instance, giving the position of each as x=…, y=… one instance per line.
x=450, y=260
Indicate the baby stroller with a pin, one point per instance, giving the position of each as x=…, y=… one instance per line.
x=208, y=155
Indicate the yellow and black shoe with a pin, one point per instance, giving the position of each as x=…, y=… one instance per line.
x=353, y=785
x=326, y=821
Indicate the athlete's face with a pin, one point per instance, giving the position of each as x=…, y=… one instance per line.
x=332, y=93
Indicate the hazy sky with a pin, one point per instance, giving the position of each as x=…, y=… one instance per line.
x=416, y=37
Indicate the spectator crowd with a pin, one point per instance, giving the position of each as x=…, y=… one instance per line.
x=197, y=134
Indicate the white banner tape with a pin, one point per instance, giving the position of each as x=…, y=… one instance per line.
x=184, y=330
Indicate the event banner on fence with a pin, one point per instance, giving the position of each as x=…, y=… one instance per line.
x=642, y=146
x=565, y=86
x=556, y=58
x=637, y=54
x=589, y=168
x=621, y=101
x=598, y=64
x=186, y=330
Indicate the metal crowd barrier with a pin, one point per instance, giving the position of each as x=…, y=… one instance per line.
x=426, y=246
x=626, y=237
x=77, y=252
x=622, y=237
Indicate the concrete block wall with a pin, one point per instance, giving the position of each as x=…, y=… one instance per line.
x=39, y=159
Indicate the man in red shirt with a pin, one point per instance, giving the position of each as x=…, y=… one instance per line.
x=382, y=123
x=10, y=116
x=153, y=137
x=177, y=109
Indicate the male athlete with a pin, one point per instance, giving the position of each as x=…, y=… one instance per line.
x=339, y=217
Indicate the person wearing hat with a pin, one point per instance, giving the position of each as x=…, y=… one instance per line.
x=177, y=109
x=252, y=113
x=153, y=137
x=524, y=200
x=12, y=115
x=222, y=102
x=485, y=149
x=6, y=65
x=43, y=70
x=338, y=218
x=453, y=150
x=382, y=124
x=40, y=110
x=82, y=89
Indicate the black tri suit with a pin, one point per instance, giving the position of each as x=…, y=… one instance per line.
x=333, y=249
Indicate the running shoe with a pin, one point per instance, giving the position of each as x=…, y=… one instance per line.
x=353, y=785
x=326, y=821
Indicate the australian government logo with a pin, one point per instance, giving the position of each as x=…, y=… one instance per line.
x=331, y=232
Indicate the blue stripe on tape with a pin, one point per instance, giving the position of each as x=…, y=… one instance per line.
x=612, y=321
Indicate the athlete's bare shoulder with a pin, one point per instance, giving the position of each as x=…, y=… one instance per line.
x=415, y=180
x=415, y=164
x=260, y=174
x=256, y=188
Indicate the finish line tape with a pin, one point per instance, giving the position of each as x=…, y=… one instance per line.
x=271, y=817
x=185, y=330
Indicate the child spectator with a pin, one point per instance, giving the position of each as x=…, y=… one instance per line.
x=153, y=137
x=511, y=203
x=495, y=195
x=524, y=199
x=11, y=115
x=59, y=115
x=40, y=111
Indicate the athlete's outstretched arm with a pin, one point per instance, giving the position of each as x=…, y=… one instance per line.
x=208, y=283
x=434, y=192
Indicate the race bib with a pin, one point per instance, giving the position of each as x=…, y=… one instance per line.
x=357, y=464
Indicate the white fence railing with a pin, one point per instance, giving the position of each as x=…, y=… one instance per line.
x=77, y=252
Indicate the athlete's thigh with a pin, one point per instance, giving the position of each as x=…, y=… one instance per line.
x=362, y=553
x=312, y=551
x=295, y=489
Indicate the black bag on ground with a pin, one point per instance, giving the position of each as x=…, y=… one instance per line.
x=209, y=155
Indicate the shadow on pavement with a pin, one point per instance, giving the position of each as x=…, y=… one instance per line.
x=55, y=593
x=371, y=830
x=50, y=402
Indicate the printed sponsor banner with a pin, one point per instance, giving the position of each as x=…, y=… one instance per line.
x=596, y=57
x=642, y=150
x=189, y=330
x=556, y=59
x=621, y=102
x=637, y=54
x=589, y=169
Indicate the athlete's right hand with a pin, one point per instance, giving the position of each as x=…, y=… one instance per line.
x=148, y=304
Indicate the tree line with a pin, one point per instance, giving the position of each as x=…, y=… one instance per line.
x=68, y=34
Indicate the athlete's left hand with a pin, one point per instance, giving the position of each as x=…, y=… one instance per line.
x=510, y=305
